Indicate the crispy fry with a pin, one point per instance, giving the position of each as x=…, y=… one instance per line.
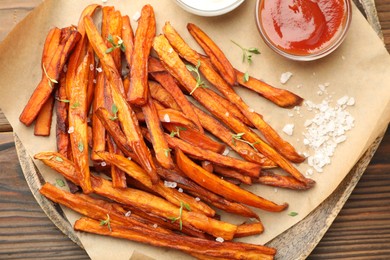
x=229, y=250
x=194, y=137
x=232, y=108
x=171, y=195
x=93, y=208
x=117, y=175
x=221, y=187
x=98, y=130
x=217, y=57
x=282, y=181
x=226, y=172
x=243, y=149
x=142, y=200
x=248, y=168
x=159, y=93
x=169, y=84
x=280, y=97
x=146, y=30
x=112, y=33
x=126, y=115
x=62, y=136
x=128, y=39
x=78, y=124
x=160, y=145
x=68, y=39
x=249, y=229
x=206, y=195
x=43, y=120
x=177, y=68
x=154, y=65
x=215, y=79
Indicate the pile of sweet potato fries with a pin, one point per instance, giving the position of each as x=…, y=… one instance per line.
x=126, y=115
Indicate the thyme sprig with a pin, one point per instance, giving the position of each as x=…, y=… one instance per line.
x=106, y=222
x=119, y=45
x=247, y=54
x=199, y=81
x=177, y=132
x=238, y=137
x=182, y=206
x=50, y=80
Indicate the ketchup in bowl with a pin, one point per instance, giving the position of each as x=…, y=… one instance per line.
x=303, y=29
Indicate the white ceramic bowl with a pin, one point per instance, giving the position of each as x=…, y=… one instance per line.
x=209, y=7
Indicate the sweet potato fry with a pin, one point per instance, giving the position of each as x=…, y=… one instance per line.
x=233, y=110
x=217, y=57
x=44, y=118
x=229, y=250
x=154, y=65
x=78, y=124
x=226, y=172
x=249, y=229
x=177, y=68
x=248, y=168
x=160, y=145
x=128, y=39
x=98, y=130
x=223, y=188
x=62, y=106
x=276, y=180
x=159, y=93
x=136, y=198
x=126, y=115
x=146, y=30
x=91, y=78
x=93, y=208
x=206, y=195
x=280, y=97
x=68, y=39
x=194, y=137
x=167, y=82
x=112, y=33
x=117, y=175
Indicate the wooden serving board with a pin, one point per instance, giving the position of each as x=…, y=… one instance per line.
x=296, y=242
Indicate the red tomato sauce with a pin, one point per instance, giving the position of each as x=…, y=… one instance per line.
x=302, y=27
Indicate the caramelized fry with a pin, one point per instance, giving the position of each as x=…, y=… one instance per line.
x=170, y=116
x=43, y=121
x=223, y=188
x=249, y=229
x=226, y=172
x=98, y=130
x=206, y=195
x=217, y=57
x=194, y=137
x=126, y=115
x=159, y=93
x=280, y=97
x=229, y=250
x=171, y=195
x=93, y=208
x=160, y=145
x=128, y=39
x=78, y=124
x=68, y=39
x=282, y=181
x=146, y=30
x=62, y=107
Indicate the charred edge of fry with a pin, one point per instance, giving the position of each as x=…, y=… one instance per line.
x=281, y=181
x=280, y=97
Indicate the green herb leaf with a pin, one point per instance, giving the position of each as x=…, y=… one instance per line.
x=239, y=136
x=199, y=82
x=119, y=45
x=60, y=183
x=166, y=152
x=114, y=110
x=80, y=146
x=106, y=222
x=50, y=80
x=177, y=132
x=246, y=77
x=293, y=214
x=110, y=50
x=174, y=219
x=76, y=104
x=58, y=159
x=62, y=100
x=254, y=50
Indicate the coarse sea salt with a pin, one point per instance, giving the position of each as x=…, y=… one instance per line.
x=170, y=184
x=285, y=77
x=288, y=129
x=326, y=130
x=136, y=16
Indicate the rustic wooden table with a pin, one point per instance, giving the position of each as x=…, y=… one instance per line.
x=361, y=230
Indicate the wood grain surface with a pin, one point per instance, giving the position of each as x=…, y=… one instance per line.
x=360, y=231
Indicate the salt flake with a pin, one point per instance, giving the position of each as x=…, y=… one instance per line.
x=285, y=77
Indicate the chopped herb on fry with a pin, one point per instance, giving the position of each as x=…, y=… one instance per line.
x=106, y=222
x=174, y=219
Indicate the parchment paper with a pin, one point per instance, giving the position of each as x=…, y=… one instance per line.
x=360, y=68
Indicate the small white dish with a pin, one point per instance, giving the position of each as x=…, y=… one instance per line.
x=209, y=7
